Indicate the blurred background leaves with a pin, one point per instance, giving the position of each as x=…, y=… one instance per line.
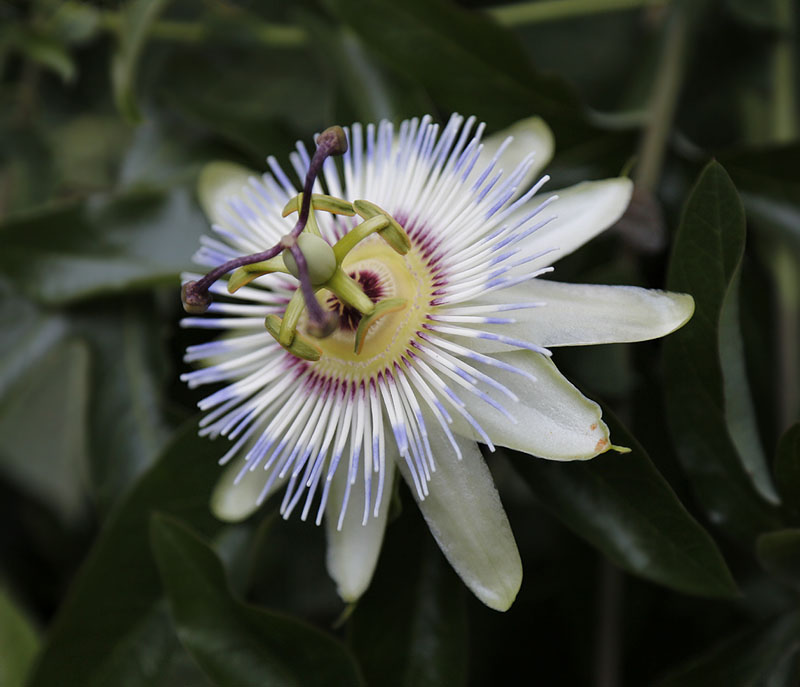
x=684, y=570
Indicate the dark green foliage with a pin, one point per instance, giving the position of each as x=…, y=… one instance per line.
x=705, y=263
x=426, y=643
x=676, y=564
x=112, y=621
x=624, y=507
x=238, y=644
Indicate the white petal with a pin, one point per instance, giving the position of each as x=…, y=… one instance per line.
x=553, y=419
x=581, y=213
x=466, y=518
x=353, y=550
x=217, y=182
x=585, y=314
x=531, y=135
x=236, y=502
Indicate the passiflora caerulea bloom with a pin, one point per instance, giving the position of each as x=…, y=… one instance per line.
x=421, y=326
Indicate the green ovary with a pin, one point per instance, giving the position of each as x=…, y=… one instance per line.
x=401, y=276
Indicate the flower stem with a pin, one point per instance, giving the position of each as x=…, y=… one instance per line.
x=607, y=646
x=784, y=258
x=663, y=99
x=784, y=105
x=272, y=35
x=525, y=13
x=787, y=285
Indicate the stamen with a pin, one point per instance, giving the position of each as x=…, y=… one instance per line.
x=194, y=294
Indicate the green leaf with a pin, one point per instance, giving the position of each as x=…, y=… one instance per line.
x=761, y=14
x=465, y=61
x=136, y=17
x=27, y=174
x=19, y=643
x=372, y=90
x=164, y=151
x=623, y=506
x=705, y=263
x=87, y=150
x=787, y=466
x=109, y=624
x=26, y=334
x=43, y=430
x=744, y=660
x=127, y=429
x=251, y=95
x=102, y=245
x=425, y=644
x=75, y=23
x=48, y=52
x=768, y=179
x=237, y=644
x=740, y=413
x=779, y=553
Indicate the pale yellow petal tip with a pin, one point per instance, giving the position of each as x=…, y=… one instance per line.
x=539, y=128
x=620, y=449
x=625, y=186
x=350, y=595
x=685, y=306
x=218, y=180
x=229, y=503
x=351, y=579
x=503, y=596
x=680, y=309
x=603, y=442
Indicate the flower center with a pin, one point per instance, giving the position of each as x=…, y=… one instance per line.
x=341, y=282
x=395, y=276
x=370, y=283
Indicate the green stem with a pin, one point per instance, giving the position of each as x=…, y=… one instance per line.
x=607, y=644
x=663, y=100
x=785, y=261
x=273, y=35
x=785, y=272
x=524, y=13
x=784, y=105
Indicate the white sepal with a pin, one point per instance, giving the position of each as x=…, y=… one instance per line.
x=552, y=419
x=353, y=550
x=465, y=516
x=584, y=314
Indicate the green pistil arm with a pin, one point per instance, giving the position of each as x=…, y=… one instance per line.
x=291, y=318
x=349, y=291
x=357, y=234
x=393, y=234
x=381, y=308
x=300, y=346
x=319, y=201
x=245, y=274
